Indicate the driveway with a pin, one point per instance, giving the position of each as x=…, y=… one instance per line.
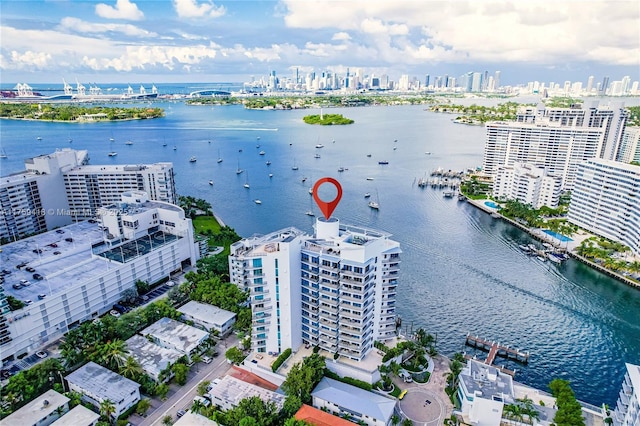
x=427, y=403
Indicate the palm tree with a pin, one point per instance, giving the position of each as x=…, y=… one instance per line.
x=395, y=419
x=131, y=368
x=197, y=406
x=112, y=354
x=107, y=409
x=143, y=406
x=167, y=420
x=407, y=422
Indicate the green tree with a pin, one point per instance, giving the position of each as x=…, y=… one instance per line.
x=162, y=390
x=131, y=369
x=180, y=370
x=303, y=377
x=202, y=387
x=569, y=410
x=234, y=355
x=107, y=410
x=167, y=420
x=143, y=406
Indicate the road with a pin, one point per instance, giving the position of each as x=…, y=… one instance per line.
x=182, y=398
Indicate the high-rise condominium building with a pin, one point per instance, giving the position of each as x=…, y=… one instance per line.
x=528, y=184
x=557, y=139
x=627, y=410
x=605, y=201
x=630, y=146
x=59, y=188
x=335, y=289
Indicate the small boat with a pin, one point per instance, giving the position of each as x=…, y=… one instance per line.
x=209, y=141
x=111, y=139
x=369, y=178
x=246, y=185
x=128, y=143
x=164, y=144
x=270, y=175
x=395, y=140
x=316, y=156
x=395, y=147
x=268, y=163
x=39, y=138
x=319, y=146
x=257, y=201
x=369, y=155
x=219, y=157
x=540, y=258
x=239, y=170
x=304, y=179
x=258, y=138
x=533, y=247
x=524, y=248
x=367, y=195
x=175, y=147
x=246, y=182
x=311, y=191
x=257, y=146
x=211, y=182
x=334, y=141
x=383, y=162
x=374, y=205
x=240, y=150
x=294, y=168
x=70, y=140
x=113, y=154
x=309, y=213
x=428, y=152
x=3, y=154
x=341, y=169
x=448, y=194
x=193, y=159
x=552, y=257
x=262, y=153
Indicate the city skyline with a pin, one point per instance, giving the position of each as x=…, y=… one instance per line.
x=122, y=41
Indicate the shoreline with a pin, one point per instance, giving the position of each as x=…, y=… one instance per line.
x=79, y=121
x=479, y=204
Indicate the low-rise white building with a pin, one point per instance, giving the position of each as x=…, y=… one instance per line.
x=229, y=391
x=483, y=391
x=627, y=410
x=606, y=201
x=78, y=416
x=209, y=317
x=153, y=359
x=340, y=398
x=98, y=384
x=528, y=184
x=42, y=411
x=175, y=335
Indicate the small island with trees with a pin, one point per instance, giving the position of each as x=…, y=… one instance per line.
x=75, y=113
x=327, y=119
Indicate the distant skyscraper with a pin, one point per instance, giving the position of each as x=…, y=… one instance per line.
x=496, y=80
x=604, y=86
x=426, y=81
x=590, y=84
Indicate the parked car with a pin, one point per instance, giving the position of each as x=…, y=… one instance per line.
x=42, y=296
x=37, y=276
x=28, y=302
x=42, y=354
x=204, y=401
x=206, y=359
x=69, y=240
x=114, y=313
x=30, y=269
x=181, y=413
x=25, y=283
x=17, y=286
x=170, y=283
x=60, y=231
x=118, y=307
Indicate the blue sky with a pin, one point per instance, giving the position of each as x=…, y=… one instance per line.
x=200, y=41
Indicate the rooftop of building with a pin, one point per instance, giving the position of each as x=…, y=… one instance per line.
x=257, y=244
x=192, y=419
x=234, y=390
x=135, y=208
x=634, y=375
x=487, y=382
x=316, y=417
x=151, y=357
x=36, y=410
x=355, y=399
x=181, y=336
x=205, y=312
x=119, y=168
x=102, y=382
x=65, y=257
x=616, y=165
x=80, y=154
x=78, y=416
x=18, y=177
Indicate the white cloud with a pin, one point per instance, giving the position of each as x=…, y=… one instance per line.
x=27, y=60
x=80, y=26
x=191, y=9
x=341, y=36
x=124, y=9
x=541, y=32
x=140, y=57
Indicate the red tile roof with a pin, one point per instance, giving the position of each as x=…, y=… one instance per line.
x=319, y=418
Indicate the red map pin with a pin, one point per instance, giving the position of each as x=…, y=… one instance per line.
x=327, y=207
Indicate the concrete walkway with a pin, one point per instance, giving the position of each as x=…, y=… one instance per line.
x=427, y=403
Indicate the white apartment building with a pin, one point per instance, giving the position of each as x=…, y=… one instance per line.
x=79, y=271
x=528, y=184
x=335, y=289
x=98, y=384
x=557, y=139
x=60, y=188
x=605, y=201
x=227, y=393
x=35, y=200
x=630, y=145
x=627, y=410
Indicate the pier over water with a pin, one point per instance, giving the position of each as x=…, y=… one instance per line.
x=496, y=349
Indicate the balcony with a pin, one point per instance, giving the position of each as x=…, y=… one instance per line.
x=261, y=309
x=351, y=330
x=264, y=300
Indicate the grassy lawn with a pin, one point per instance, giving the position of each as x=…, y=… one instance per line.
x=203, y=223
x=396, y=391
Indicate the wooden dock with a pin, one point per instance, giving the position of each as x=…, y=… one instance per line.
x=496, y=349
x=502, y=369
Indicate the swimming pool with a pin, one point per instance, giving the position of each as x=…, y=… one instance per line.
x=491, y=204
x=557, y=236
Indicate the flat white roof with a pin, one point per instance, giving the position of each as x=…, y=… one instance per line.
x=102, y=382
x=181, y=336
x=192, y=419
x=151, y=357
x=207, y=313
x=234, y=390
x=78, y=416
x=36, y=410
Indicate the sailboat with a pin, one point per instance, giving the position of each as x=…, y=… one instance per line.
x=246, y=182
x=375, y=205
x=239, y=170
x=3, y=154
x=219, y=158
x=294, y=167
x=129, y=142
